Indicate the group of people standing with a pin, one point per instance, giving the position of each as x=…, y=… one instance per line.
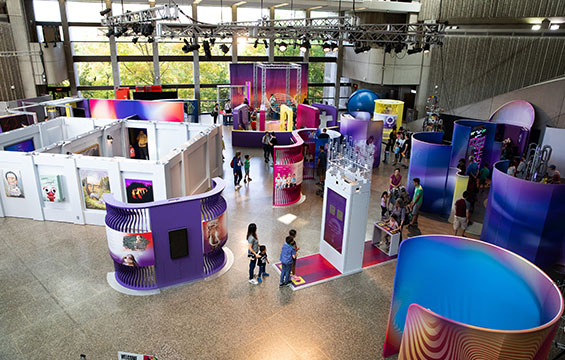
x=216, y=111
x=404, y=211
x=257, y=254
x=399, y=144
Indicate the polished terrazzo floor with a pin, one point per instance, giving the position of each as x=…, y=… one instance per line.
x=55, y=302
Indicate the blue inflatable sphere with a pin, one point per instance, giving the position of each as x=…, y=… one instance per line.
x=362, y=100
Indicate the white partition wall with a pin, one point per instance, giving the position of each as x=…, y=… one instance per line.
x=175, y=170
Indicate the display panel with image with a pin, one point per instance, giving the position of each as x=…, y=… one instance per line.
x=139, y=191
x=215, y=233
x=22, y=146
x=13, y=183
x=131, y=249
x=93, y=150
x=94, y=184
x=335, y=220
x=51, y=188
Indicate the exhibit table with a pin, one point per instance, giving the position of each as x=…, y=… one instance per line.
x=380, y=231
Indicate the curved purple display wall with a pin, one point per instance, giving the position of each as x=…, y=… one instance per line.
x=167, y=242
x=526, y=217
x=358, y=127
x=288, y=171
x=465, y=299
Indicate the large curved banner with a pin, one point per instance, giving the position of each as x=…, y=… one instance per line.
x=464, y=299
x=526, y=217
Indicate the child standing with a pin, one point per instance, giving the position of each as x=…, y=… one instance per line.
x=288, y=253
x=262, y=261
x=246, y=166
x=292, y=234
x=384, y=204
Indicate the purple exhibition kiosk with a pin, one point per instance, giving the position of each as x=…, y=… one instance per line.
x=163, y=243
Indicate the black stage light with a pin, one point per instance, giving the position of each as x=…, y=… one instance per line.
x=398, y=47
x=212, y=41
x=282, y=46
x=305, y=46
x=426, y=48
x=185, y=46
x=110, y=32
x=256, y=43
x=134, y=40
x=326, y=47
x=388, y=48
x=224, y=48
x=414, y=50
x=266, y=43
x=334, y=47
x=147, y=29
x=207, y=52
x=136, y=28
x=150, y=40
x=105, y=11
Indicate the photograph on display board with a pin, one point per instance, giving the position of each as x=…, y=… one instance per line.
x=13, y=183
x=139, y=191
x=51, y=188
x=335, y=220
x=288, y=175
x=12, y=122
x=131, y=249
x=22, y=146
x=93, y=150
x=94, y=184
x=138, y=143
x=215, y=233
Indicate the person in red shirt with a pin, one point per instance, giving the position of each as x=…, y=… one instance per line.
x=555, y=175
x=395, y=179
x=462, y=213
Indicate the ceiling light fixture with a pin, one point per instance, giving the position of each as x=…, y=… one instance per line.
x=256, y=43
x=134, y=40
x=305, y=46
x=335, y=47
x=266, y=43
x=554, y=27
x=536, y=27
x=224, y=48
x=279, y=5
x=150, y=40
x=426, y=48
x=239, y=3
x=282, y=46
x=316, y=7
x=105, y=11
x=207, y=52
x=326, y=47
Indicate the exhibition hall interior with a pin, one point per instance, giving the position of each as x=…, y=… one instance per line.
x=282, y=179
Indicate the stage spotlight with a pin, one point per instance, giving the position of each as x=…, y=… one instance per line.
x=105, y=11
x=256, y=43
x=207, y=52
x=326, y=47
x=224, y=48
x=426, y=48
x=136, y=28
x=398, y=48
x=134, y=40
x=110, y=32
x=266, y=43
x=334, y=47
x=305, y=46
x=282, y=46
x=388, y=48
x=212, y=41
x=150, y=40
x=147, y=29
x=414, y=50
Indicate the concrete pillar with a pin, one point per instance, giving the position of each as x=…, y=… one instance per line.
x=156, y=65
x=271, y=40
x=18, y=23
x=68, y=48
x=114, y=54
x=339, y=68
x=234, y=39
x=196, y=62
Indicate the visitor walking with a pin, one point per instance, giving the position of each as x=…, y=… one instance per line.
x=262, y=261
x=292, y=233
x=274, y=142
x=236, y=164
x=462, y=208
x=416, y=201
x=266, y=141
x=252, y=250
x=216, y=112
x=246, y=167
x=288, y=254
x=390, y=144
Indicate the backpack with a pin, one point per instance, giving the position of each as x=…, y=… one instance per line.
x=231, y=163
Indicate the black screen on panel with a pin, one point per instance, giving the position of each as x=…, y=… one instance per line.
x=178, y=243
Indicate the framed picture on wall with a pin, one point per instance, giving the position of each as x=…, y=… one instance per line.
x=13, y=183
x=51, y=188
x=139, y=191
x=93, y=150
x=94, y=183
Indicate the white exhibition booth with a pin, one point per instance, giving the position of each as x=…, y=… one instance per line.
x=54, y=179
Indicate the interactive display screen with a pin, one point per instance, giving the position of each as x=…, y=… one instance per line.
x=178, y=243
x=12, y=122
x=22, y=146
x=335, y=220
x=477, y=144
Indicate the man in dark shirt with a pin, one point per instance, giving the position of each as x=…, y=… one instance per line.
x=321, y=165
x=461, y=218
x=274, y=142
x=324, y=134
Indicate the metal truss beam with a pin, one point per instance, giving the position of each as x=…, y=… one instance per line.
x=165, y=12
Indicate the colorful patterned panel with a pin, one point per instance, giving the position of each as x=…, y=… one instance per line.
x=137, y=110
x=459, y=298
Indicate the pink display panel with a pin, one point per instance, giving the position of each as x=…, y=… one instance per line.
x=136, y=109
